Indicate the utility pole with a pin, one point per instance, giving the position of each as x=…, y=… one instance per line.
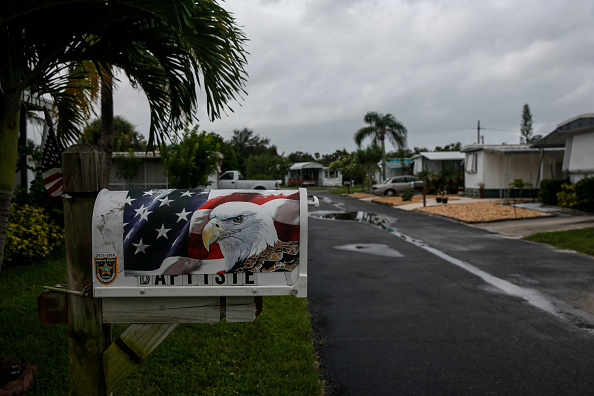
x=478, y=133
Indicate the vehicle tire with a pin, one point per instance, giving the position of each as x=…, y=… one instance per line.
x=259, y=188
x=390, y=193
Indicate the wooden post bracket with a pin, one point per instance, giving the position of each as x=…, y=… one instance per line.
x=124, y=355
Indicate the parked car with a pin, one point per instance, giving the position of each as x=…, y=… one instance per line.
x=397, y=185
x=234, y=179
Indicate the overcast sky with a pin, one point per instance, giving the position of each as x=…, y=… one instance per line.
x=439, y=66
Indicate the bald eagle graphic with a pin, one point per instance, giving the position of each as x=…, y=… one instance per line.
x=247, y=236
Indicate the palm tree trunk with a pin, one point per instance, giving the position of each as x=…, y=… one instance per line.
x=9, y=135
x=106, y=141
x=23, y=142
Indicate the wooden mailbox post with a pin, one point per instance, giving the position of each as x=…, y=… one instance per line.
x=162, y=257
x=86, y=335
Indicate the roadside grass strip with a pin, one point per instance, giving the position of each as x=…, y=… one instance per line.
x=580, y=240
x=272, y=355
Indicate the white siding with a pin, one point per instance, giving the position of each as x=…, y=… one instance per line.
x=418, y=165
x=498, y=170
x=579, y=160
x=331, y=178
x=472, y=180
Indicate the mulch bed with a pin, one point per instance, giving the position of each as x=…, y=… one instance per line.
x=471, y=212
x=482, y=212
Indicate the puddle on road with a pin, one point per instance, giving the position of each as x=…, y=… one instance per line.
x=377, y=249
x=363, y=217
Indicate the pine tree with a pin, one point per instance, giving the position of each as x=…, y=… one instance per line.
x=526, y=127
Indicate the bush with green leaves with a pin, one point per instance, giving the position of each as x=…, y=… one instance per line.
x=547, y=194
x=584, y=195
x=566, y=196
x=31, y=235
x=408, y=194
x=266, y=166
x=451, y=179
x=431, y=180
x=37, y=196
x=190, y=160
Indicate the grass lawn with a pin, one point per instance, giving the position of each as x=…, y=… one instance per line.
x=272, y=355
x=581, y=240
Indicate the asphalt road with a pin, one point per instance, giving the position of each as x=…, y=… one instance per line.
x=425, y=306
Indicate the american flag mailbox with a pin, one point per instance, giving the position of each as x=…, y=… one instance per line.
x=200, y=243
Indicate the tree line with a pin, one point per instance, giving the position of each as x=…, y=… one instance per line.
x=193, y=155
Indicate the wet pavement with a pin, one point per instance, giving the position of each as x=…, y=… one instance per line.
x=404, y=303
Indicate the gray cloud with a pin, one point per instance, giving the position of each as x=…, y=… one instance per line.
x=316, y=67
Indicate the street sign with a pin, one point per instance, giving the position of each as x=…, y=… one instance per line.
x=200, y=243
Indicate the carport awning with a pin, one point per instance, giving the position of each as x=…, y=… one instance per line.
x=554, y=139
x=306, y=165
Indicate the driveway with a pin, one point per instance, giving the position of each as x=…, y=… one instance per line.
x=428, y=306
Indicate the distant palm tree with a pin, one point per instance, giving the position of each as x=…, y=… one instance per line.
x=368, y=160
x=381, y=125
x=169, y=49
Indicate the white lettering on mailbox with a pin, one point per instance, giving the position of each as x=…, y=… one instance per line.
x=227, y=279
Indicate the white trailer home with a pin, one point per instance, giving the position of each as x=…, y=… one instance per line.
x=490, y=169
x=312, y=174
x=151, y=172
x=437, y=161
x=576, y=135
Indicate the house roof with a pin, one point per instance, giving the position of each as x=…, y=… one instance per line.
x=306, y=165
x=506, y=149
x=582, y=123
x=441, y=156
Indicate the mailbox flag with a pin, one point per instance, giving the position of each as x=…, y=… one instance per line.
x=156, y=226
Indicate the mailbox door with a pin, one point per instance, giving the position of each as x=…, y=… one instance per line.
x=200, y=243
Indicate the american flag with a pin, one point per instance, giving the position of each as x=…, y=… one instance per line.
x=51, y=163
x=156, y=226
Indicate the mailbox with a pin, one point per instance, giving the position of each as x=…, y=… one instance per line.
x=200, y=243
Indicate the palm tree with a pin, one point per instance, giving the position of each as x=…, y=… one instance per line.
x=381, y=125
x=166, y=48
x=368, y=160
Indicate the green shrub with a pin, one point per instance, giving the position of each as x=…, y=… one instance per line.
x=39, y=197
x=407, y=194
x=584, y=194
x=566, y=196
x=31, y=235
x=431, y=180
x=549, y=188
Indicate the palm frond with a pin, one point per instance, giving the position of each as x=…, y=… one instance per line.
x=168, y=48
x=364, y=133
